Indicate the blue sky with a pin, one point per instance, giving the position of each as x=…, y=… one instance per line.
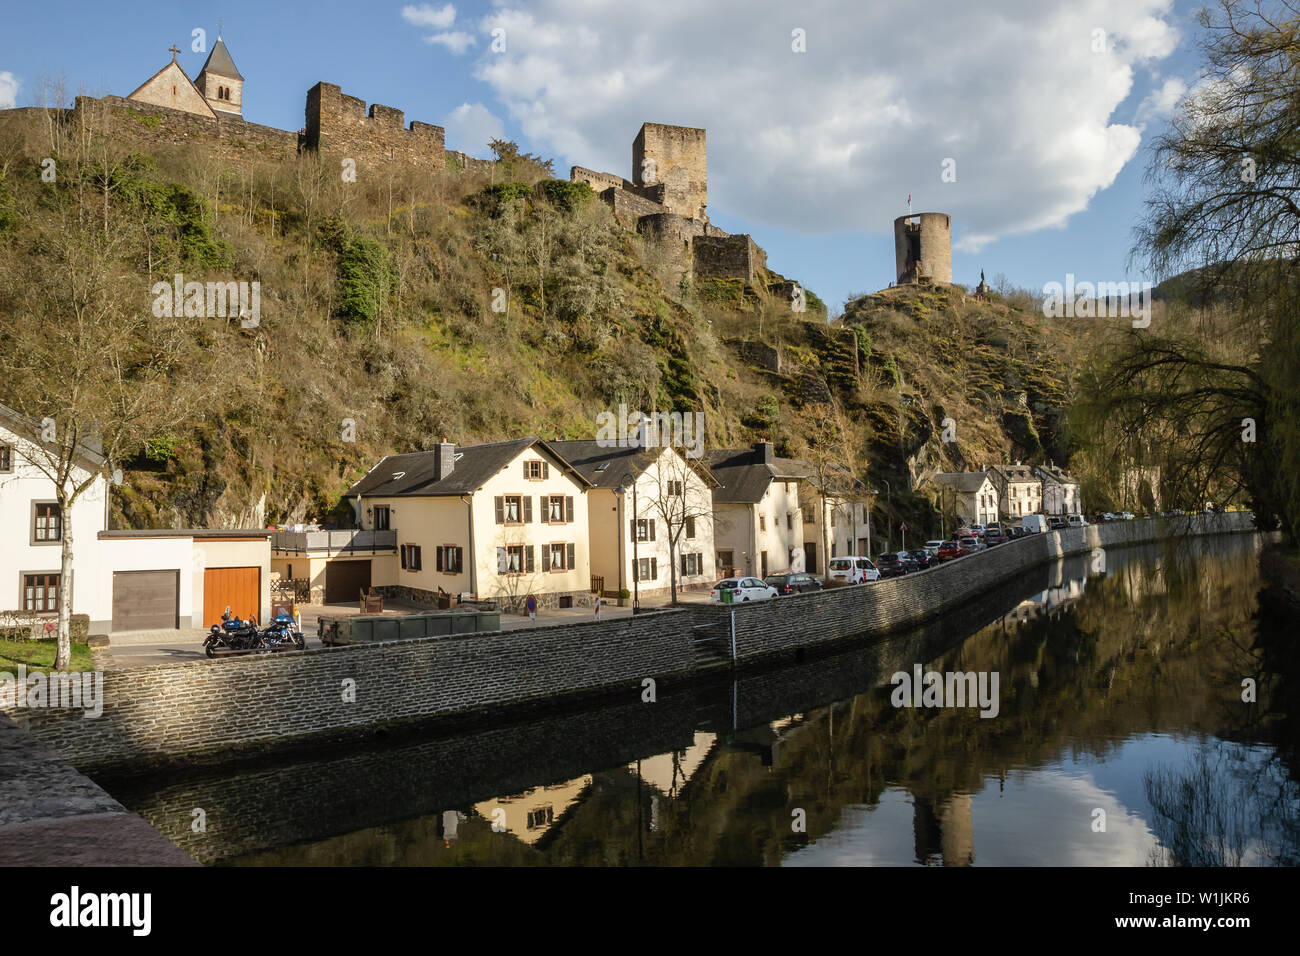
x=811, y=152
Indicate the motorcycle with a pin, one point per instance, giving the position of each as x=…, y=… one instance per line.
x=232, y=635
x=282, y=634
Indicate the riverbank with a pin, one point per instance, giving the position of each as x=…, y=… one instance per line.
x=199, y=710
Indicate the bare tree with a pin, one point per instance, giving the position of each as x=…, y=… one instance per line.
x=676, y=494
x=85, y=362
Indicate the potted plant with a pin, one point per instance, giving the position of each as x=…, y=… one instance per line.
x=623, y=595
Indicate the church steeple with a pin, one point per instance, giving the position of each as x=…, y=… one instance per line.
x=220, y=81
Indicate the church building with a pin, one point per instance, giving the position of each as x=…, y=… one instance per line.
x=218, y=91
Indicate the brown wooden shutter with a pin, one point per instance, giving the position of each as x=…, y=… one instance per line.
x=529, y=560
x=500, y=504
x=403, y=557
x=543, y=508
x=526, y=475
x=528, y=509
x=546, y=469
x=572, y=557
x=568, y=508
x=684, y=572
x=654, y=569
x=652, y=533
x=633, y=524
x=417, y=552
x=439, y=557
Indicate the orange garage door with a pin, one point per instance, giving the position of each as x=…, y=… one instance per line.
x=238, y=587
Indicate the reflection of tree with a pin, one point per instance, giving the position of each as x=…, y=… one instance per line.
x=1227, y=807
x=1198, y=814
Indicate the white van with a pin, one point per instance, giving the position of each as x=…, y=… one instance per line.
x=1034, y=524
x=853, y=569
x=1076, y=521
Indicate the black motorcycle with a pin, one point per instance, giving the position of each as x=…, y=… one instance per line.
x=232, y=635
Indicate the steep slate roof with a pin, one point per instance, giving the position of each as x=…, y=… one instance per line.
x=219, y=62
x=30, y=429
x=587, y=456
x=413, y=473
x=744, y=476
x=1016, y=472
x=1057, y=474
x=967, y=482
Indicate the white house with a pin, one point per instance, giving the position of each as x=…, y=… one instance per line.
x=759, y=525
x=970, y=496
x=502, y=520
x=122, y=580
x=1020, y=490
x=638, y=500
x=1060, y=491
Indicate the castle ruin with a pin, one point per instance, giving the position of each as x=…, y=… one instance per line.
x=923, y=248
x=666, y=202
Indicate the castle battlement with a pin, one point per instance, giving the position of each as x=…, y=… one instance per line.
x=340, y=125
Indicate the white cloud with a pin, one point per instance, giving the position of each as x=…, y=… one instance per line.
x=8, y=90
x=1160, y=102
x=837, y=137
x=470, y=127
x=454, y=40
x=426, y=15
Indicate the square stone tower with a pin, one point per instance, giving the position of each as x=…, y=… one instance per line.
x=669, y=163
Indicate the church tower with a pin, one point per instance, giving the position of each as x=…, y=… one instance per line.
x=220, y=83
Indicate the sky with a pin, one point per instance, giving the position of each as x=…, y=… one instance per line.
x=1029, y=122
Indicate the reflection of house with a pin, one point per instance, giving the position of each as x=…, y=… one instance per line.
x=943, y=834
x=501, y=520
x=669, y=772
x=123, y=580
x=528, y=815
x=673, y=496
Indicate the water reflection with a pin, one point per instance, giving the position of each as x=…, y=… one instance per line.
x=1121, y=701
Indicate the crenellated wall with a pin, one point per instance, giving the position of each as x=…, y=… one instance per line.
x=339, y=125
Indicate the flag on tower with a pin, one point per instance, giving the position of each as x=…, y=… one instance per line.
x=909, y=204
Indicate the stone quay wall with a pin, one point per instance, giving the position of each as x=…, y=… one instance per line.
x=194, y=709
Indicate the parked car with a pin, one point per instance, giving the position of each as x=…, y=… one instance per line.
x=922, y=557
x=1055, y=522
x=949, y=550
x=1126, y=515
x=853, y=569
x=977, y=530
x=793, y=583
x=970, y=544
x=740, y=590
x=895, y=564
x=1076, y=521
x=993, y=536
x=933, y=547
x=1033, y=524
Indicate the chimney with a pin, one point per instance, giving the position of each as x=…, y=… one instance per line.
x=643, y=432
x=444, y=460
x=763, y=452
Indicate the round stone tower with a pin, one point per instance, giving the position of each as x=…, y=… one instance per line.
x=923, y=247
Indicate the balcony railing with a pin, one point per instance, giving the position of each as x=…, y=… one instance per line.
x=331, y=541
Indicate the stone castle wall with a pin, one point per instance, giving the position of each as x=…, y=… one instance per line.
x=680, y=162
x=729, y=257
x=923, y=247
x=339, y=125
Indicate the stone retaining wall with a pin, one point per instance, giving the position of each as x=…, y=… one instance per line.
x=882, y=607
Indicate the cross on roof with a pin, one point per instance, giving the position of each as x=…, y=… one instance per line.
x=174, y=49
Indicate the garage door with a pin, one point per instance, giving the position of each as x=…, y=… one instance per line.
x=345, y=580
x=145, y=600
x=238, y=588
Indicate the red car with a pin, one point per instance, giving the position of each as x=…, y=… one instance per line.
x=949, y=550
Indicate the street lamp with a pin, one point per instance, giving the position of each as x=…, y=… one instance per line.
x=630, y=482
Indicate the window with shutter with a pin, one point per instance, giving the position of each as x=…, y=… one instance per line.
x=652, y=529
x=568, y=508
x=403, y=550
x=530, y=559
x=572, y=557
x=528, y=509
x=690, y=527
x=654, y=569
x=546, y=469
x=439, y=558
x=501, y=510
